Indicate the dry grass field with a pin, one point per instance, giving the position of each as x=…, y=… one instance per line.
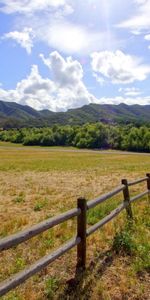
x=35, y=184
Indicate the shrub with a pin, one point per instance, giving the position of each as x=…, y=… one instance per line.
x=123, y=243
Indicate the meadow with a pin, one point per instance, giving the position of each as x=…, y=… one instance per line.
x=38, y=183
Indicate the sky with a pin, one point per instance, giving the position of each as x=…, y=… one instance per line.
x=62, y=54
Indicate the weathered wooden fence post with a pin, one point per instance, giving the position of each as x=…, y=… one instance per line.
x=148, y=185
x=127, y=199
x=81, y=232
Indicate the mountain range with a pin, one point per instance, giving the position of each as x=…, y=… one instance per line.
x=16, y=115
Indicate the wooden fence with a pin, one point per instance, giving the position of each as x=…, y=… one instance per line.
x=82, y=232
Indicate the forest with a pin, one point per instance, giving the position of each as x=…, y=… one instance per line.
x=91, y=136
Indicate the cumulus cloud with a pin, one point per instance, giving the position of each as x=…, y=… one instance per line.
x=23, y=38
x=64, y=89
x=34, y=91
x=67, y=73
x=68, y=78
x=130, y=91
x=119, y=67
x=67, y=90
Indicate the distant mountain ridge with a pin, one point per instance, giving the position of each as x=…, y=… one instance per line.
x=22, y=115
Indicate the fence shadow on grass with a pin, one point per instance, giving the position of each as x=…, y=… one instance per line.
x=80, y=286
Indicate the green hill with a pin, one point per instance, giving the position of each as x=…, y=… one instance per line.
x=16, y=115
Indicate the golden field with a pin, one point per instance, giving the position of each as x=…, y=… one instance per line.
x=37, y=183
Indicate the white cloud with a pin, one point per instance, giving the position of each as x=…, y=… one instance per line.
x=130, y=91
x=31, y=6
x=23, y=38
x=68, y=78
x=66, y=91
x=147, y=37
x=36, y=16
x=126, y=100
x=34, y=91
x=70, y=38
x=140, y=21
x=67, y=73
x=119, y=67
x=99, y=79
x=52, y=26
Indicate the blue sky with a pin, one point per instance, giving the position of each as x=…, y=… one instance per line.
x=61, y=54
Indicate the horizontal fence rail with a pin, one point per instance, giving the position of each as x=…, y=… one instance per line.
x=95, y=202
x=18, y=238
x=106, y=219
x=82, y=231
x=137, y=181
x=137, y=197
x=22, y=276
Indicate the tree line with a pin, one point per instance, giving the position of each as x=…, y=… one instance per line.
x=91, y=136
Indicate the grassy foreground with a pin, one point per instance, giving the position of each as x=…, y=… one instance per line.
x=37, y=184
